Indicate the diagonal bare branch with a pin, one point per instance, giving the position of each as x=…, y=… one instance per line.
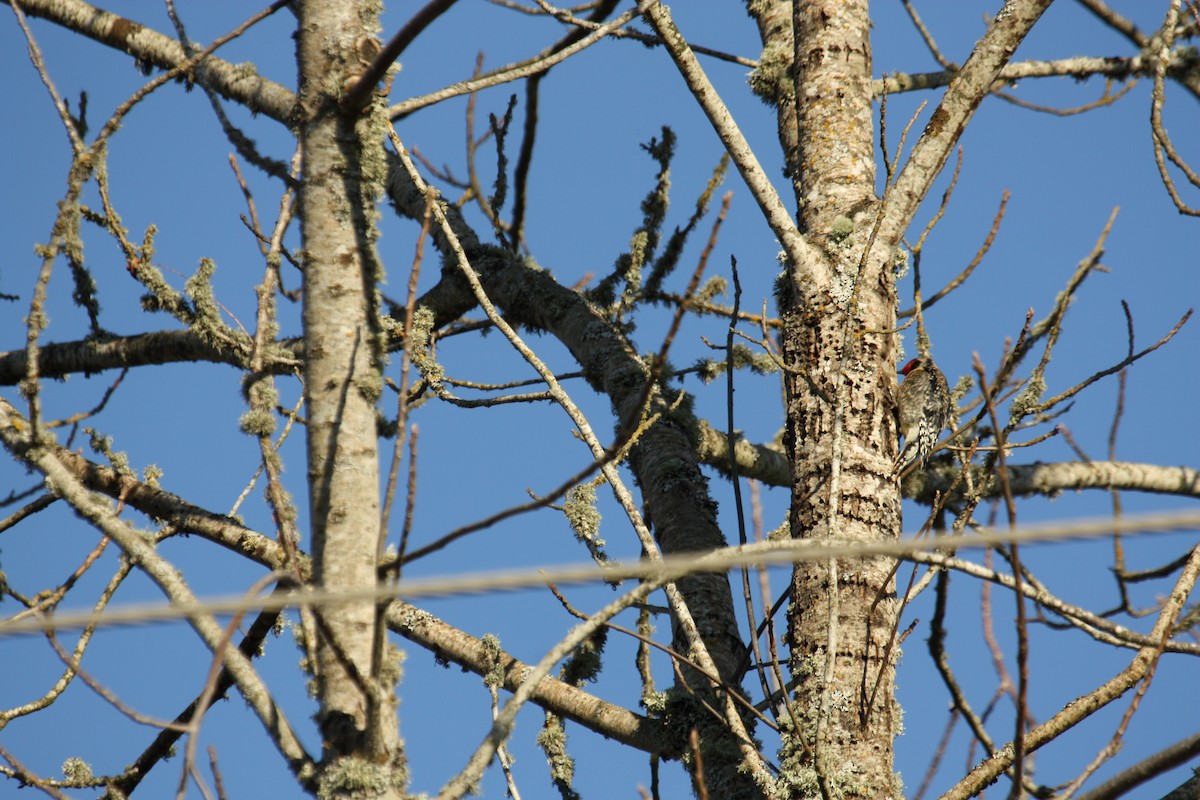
x=966, y=90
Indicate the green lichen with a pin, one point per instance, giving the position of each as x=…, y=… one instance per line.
x=350, y=778
x=841, y=229
x=758, y=362
x=714, y=287
x=494, y=677
x=586, y=661
x=1028, y=400
x=257, y=422
x=900, y=262
x=772, y=80
x=103, y=445
x=151, y=475
x=781, y=533
x=76, y=770
x=370, y=386
x=553, y=741
x=206, y=322
x=584, y=518
x=422, y=347
x=391, y=670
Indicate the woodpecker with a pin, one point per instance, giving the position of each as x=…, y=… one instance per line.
x=924, y=411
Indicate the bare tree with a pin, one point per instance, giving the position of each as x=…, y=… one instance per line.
x=790, y=695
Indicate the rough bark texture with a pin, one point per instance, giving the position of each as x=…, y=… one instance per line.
x=840, y=431
x=343, y=165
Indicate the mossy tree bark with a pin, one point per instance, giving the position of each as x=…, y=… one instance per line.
x=343, y=169
x=840, y=433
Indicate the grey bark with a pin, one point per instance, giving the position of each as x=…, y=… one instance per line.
x=341, y=182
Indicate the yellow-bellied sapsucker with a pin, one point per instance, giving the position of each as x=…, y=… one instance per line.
x=924, y=411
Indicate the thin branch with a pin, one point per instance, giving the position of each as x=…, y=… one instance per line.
x=1107, y=98
x=1179, y=66
x=1169, y=757
x=678, y=604
x=949, y=119
x=961, y=278
x=509, y=73
x=799, y=250
x=163, y=746
x=15, y=434
x=359, y=95
x=1115, y=21
x=1022, y=694
x=670, y=568
x=26, y=777
x=566, y=17
x=1162, y=142
x=1088, y=704
x=927, y=37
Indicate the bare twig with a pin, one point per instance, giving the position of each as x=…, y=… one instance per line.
x=955, y=110
x=799, y=250
x=1022, y=696
x=961, y=278
x=1106, y=99
x=1106, y=693
x=1162, y=142
x=509, y=73
x=1120, y=784
x=927, y=37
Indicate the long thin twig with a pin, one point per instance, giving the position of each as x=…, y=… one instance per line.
x=509, y=73
x=1163, y=146
x=1021, y=624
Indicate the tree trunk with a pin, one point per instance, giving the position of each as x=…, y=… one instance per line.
x=343, y=171
x=841, y=431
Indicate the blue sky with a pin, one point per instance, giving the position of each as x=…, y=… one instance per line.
x=169, y=167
